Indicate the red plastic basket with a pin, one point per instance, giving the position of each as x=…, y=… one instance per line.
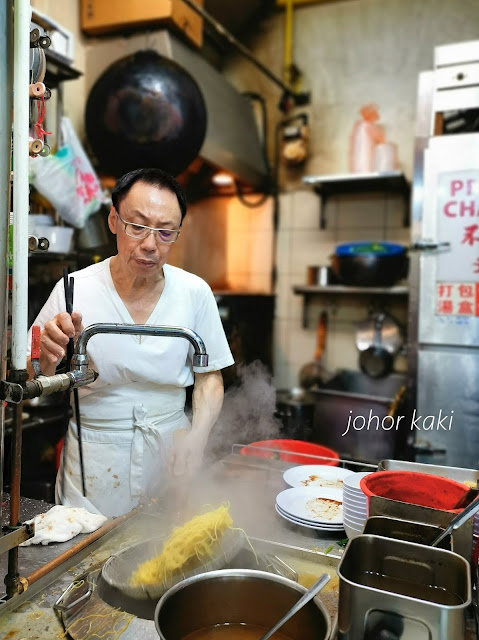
x=285, y=450
x=412, y=487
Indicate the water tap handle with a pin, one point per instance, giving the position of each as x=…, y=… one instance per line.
x=35, y=353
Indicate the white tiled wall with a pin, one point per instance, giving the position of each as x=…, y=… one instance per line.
x=301, y=243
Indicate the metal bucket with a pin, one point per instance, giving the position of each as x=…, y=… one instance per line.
x=239, y=596
x=401, y=590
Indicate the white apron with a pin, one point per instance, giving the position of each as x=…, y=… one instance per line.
x=125, y=441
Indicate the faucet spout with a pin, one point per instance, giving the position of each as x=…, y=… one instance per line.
x=80, y=358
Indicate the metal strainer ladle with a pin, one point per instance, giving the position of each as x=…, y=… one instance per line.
x=118, y=569
x=309, y=595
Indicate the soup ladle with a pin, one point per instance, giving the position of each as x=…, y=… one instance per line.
x=309, y=595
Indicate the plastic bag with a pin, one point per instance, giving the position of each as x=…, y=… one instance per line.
x=67, y=179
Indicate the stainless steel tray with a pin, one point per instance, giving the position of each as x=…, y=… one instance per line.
x=453, y=473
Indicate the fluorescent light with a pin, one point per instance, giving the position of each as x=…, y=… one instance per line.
x=222, y=179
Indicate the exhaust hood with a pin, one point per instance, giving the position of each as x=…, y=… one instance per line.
x=232, y=142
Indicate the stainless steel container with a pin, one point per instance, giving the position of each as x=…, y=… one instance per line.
x=416, y=532
x=239, y=596
x=453, y=473
x=403, y=589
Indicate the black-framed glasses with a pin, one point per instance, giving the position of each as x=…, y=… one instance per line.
x=141, y=231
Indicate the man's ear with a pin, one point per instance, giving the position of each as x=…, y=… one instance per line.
x=112, y=220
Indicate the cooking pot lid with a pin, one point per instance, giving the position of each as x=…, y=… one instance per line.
x=369, y=248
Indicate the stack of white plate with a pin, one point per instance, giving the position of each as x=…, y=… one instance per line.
x=316, y=508
x=355, y=505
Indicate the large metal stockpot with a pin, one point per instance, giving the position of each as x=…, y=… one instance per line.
x=239, y=596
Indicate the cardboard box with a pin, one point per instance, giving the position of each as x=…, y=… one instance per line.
x=108, y=16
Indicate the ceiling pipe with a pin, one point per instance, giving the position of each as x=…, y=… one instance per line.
x=289, y=95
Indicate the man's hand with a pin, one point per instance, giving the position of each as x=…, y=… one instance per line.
x=186, y=455
x=55, y=337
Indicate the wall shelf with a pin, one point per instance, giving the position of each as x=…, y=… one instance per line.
x=309, y=291
x=327, y=186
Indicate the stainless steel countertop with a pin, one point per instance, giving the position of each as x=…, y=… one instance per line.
x=249, y=488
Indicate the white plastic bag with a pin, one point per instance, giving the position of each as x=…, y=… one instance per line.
x=67, y=179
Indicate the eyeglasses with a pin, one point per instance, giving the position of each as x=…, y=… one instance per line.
x=141, y=231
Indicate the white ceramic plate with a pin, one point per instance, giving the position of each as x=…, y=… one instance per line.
x=316, y=504
x=316, y=475
x=316, y=527
x=323, y=525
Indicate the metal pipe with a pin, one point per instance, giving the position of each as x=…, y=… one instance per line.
x=80, y=357
x=12, y=579
x=6, y=81
x=218, y=27
x=21, y=105
x=49, y=566
x=46, y=385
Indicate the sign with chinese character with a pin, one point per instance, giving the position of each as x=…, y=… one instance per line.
x=457, y=298
x=458, y=224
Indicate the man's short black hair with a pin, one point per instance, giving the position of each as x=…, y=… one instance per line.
x=155, y=177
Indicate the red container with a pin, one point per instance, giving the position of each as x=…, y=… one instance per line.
x=295, y=446
x=415, y=488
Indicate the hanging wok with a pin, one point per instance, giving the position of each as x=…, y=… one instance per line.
x=145, y=111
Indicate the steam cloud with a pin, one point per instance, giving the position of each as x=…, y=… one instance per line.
x=248, y=411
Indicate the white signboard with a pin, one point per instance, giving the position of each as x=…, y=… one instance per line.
x=458, y=224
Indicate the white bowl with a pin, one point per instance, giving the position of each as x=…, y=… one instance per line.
x=60, y=238
x=350, y=532
x=359, y=502
x=352, y=481
x=359, y=521
x=347, y=513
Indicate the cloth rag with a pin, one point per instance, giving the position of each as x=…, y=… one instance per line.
x=63, y=523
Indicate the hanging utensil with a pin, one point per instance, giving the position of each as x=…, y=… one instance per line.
x=458, y=521
x=392, y=334
x=376, y=361
x=309, y=595
x=68, y=284
x=315, y=373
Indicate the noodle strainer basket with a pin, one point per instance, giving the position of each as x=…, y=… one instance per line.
x=118, y=569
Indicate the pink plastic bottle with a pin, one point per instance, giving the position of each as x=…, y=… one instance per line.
x=366, y=134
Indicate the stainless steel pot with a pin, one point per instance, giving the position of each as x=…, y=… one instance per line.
x=239, y=596
x=295, y=409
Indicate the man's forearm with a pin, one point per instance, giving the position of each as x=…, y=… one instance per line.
x=208, y=394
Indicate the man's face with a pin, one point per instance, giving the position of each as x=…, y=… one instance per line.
x=151, y=206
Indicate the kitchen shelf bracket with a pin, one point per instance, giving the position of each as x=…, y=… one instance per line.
x=333, y=290
x=327, y=186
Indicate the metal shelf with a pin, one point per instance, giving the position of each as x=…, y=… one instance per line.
x=309, y=291
x=346, y=183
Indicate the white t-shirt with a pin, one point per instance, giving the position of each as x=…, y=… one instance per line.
x=147, y=362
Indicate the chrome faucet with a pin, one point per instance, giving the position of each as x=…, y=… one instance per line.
x=81, y=375
x=80, y=360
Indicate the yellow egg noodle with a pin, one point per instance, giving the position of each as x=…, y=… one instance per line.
x=195, y=539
